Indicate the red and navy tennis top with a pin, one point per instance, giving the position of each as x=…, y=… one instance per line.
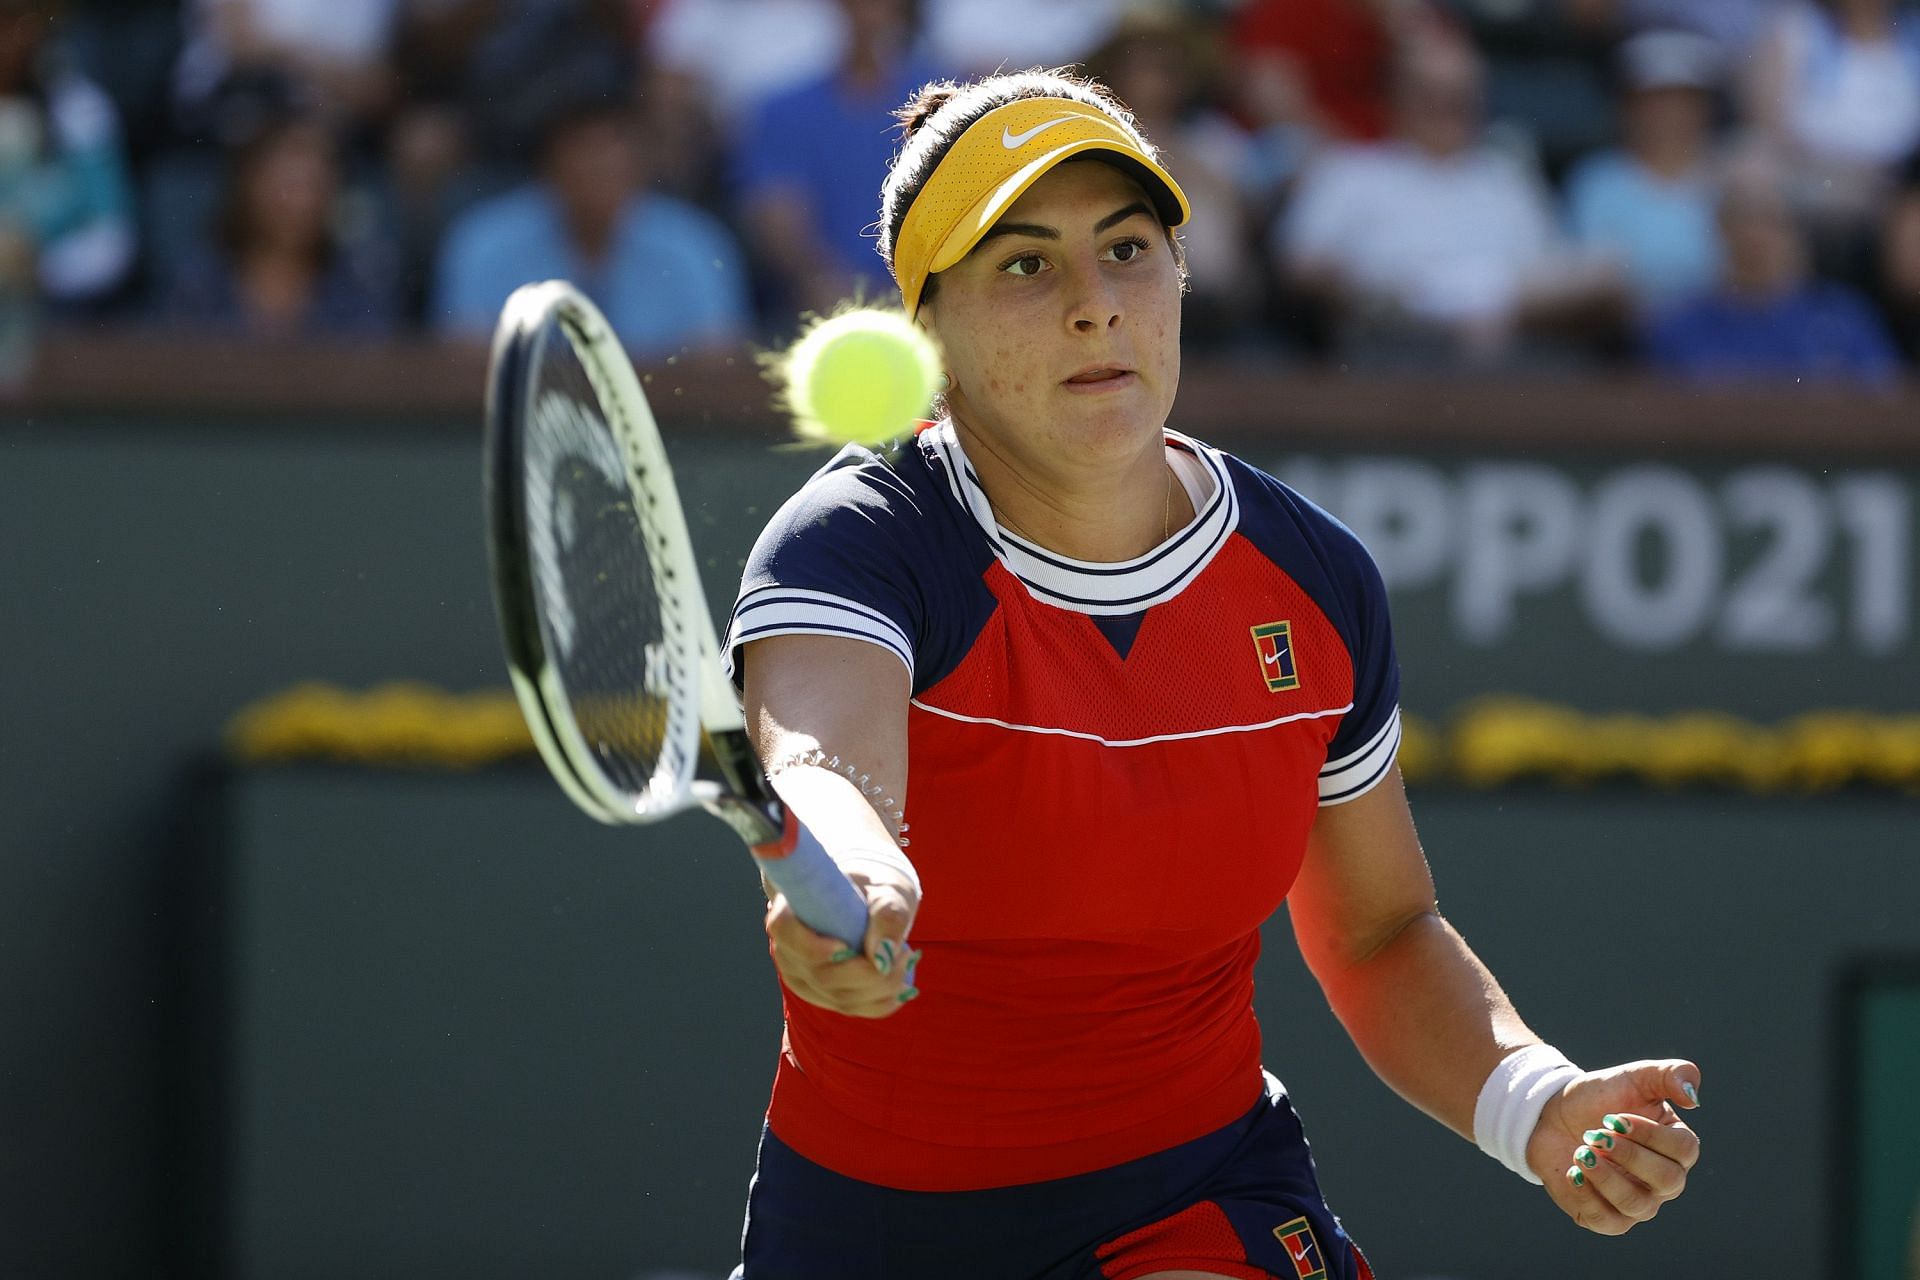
x=1113, y=769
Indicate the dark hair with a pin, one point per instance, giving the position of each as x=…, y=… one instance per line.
x=938, y=112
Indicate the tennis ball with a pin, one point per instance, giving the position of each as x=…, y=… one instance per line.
x=862, y=376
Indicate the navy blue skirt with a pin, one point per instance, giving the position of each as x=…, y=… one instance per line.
x=1243, y=1201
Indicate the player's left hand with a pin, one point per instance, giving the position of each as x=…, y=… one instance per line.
x=1611, y=1147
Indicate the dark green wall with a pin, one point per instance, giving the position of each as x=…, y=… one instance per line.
x=157, y=575
x=476, y=1035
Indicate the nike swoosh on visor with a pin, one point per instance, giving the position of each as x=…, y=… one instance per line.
x=1014, y=141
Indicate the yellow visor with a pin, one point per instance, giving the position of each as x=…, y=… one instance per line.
x=998, y=157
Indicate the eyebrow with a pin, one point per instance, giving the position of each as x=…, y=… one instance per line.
x=1040, y=231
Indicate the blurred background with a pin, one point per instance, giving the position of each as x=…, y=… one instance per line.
x=1598, y=319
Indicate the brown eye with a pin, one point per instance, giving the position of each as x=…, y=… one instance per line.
x=1026, y=265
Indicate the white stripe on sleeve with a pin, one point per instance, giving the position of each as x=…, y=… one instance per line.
x=1353, y=775
x=786, y=611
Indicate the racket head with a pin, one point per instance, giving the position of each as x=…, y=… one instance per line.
x=594, y=581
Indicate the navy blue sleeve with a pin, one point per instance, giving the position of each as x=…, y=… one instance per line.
x=1334, y=568
x=848, y=555
x=1368, y=739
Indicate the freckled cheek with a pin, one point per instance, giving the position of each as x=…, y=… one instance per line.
x=1006, y=376
x=1152, y=339
x=1164, y=340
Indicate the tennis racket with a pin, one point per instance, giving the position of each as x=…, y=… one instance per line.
x=609, y=643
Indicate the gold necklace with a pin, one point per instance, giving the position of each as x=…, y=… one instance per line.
x=1166, y=508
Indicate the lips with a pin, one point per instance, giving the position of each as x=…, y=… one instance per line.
x=1099, y=373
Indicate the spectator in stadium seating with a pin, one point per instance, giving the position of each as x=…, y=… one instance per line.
x=66, y=224
x=475, y=80
x=1339, y=53
x=506, y=65
x=811, y=158
x=1770, y=318
x=1162, y=64
x=1898, y=278
x=1650, y=204
x=1547, y=81
x=431, y=173
x=1733, y=25
x=668, y=275
x=128, y=49
x=688, y=150
x=242, y=61
x=1434, y=245
x=978, y=36
x=1272, y=96
x=286, y=258
x=734, y=53
x=1836, y=90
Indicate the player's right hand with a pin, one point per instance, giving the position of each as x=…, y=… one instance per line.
x=875, y=981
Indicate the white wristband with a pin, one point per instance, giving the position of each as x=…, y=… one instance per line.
x=1511, y=1102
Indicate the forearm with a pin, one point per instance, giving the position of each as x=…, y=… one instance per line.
x=858, y=825
x=1427, y=1015
x=828, y=716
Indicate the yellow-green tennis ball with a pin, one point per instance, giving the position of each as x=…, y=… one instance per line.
x=862, y=377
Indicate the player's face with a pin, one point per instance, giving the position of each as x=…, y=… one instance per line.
x=1061, y=329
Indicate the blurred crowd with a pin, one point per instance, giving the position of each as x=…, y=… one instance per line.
x=1708, y=188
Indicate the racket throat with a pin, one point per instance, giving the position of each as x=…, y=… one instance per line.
x=764, y=830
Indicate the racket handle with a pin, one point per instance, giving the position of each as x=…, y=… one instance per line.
x=822, y=896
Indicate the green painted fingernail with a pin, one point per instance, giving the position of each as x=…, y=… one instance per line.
x=1693, y=1094
x=1579, y=1178
x=911, y=993
x=1586, y=1157
x=1619, y=1124
x=883, y=956
x=843, y=955
x=1599, y=1138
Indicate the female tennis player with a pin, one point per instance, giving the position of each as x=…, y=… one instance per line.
x=1144, y=694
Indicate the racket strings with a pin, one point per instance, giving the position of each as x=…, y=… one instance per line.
x=603, y=583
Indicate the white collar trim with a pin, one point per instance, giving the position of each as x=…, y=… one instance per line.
x=1116, y=589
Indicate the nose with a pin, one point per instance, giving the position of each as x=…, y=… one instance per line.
x=1096, y=304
